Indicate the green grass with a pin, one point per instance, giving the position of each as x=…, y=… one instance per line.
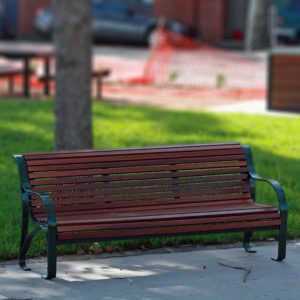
x=27, y=126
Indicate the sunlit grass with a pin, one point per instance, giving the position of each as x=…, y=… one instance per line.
x=27, y=126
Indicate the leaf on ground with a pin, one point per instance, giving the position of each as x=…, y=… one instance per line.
x=80, y=252
x=109, y=249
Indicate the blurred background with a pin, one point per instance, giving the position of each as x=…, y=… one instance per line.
x=210, y=52
x=222, y=22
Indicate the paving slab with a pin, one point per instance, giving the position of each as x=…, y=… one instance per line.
x=192, y=273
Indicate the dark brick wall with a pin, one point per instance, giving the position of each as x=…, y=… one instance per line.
x=208, y=16
x=26, y=12
x=180, y=10
x=211, y=21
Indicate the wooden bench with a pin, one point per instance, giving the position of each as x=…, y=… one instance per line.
x=80, y=196
x=97, y=74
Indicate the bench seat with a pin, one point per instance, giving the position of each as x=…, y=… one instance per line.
x=180, y=219
x=98, y=195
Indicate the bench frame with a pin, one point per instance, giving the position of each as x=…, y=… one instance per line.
x=50, y=228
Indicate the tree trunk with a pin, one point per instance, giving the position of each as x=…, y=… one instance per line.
x=72, y=41
x=258, y=29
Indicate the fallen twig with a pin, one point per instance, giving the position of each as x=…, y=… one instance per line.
x=246, y=271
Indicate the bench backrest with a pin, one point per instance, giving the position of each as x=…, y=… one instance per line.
x=140, y=177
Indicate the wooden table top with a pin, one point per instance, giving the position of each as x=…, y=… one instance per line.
x=25, y=51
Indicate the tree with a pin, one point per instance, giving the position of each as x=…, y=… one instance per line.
x=258, y=29
x=72, y=42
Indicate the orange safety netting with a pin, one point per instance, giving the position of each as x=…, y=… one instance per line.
x=178, y=60
x=185, y=67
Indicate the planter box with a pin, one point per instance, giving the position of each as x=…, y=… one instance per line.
x=284, y=80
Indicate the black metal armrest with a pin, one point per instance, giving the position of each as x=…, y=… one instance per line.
x=48, y=204
x=283, y=207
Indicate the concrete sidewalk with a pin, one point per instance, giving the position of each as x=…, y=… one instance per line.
x=252, y=107
x=184, y=273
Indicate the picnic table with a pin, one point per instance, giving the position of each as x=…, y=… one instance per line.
x=96, y=73
x=26, y=53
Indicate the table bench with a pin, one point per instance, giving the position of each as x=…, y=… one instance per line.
x=97, y=74
x=9, y=71
x=99, y=195
x=26, y=53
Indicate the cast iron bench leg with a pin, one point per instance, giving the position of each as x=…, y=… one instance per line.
x=246, y=242
x=51, y=260
x=282, y=237
x=25, y=215
x=24, y=248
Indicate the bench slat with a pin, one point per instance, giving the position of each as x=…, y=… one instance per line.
x=119, y=159
x=207, y=174
x=128, y=170
x=72, y=210
x=230, y=211
x=159, y=192
x=115, y=154
x=128, y=185
x=79, y=165
x=39, y=211
x=167, y=230
x=96, y=189
x=171, y=213
x=207, y=196
x=179, y=222
x=109, y=203
x=62, y=183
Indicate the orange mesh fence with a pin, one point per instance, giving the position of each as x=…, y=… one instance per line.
x=180, y=63
x=175, y=59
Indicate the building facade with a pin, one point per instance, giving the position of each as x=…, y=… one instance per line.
x=26, y=11
x=16, y=17
x=215, y=20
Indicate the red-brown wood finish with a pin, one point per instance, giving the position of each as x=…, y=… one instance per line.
x=148, y=192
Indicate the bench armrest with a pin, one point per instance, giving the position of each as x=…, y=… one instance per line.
x=48, y=204
x=283, y=207
x=27, y=191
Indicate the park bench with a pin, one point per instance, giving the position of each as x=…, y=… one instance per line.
x=100, y=195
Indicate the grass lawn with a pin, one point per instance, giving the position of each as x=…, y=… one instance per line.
x=27, y=126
